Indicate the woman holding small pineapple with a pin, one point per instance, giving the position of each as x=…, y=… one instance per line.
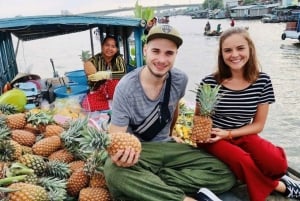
x=240, y=114
x=104, y=70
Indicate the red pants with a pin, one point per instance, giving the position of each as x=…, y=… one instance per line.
x=254, y=160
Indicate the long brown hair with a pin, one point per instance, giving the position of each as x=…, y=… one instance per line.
x=251, y=68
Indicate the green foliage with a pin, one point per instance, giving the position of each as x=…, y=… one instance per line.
x=145, y=13
x=213, y=4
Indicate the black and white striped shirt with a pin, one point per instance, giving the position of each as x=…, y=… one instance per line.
x=237, y=108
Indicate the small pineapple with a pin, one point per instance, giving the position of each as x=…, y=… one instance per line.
x=74, y=165
x=94, y=194
x=23, y=137
x=94, y=139
x=47, y=146
x=77, y=181
x=35, y=162
x=207, y=98
x=27, y=192
x=53, y=129
x=61, y=155
x=14, y=121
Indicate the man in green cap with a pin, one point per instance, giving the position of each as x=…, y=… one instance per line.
x=146, y=104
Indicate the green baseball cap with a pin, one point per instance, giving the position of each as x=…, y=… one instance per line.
x=165, y=31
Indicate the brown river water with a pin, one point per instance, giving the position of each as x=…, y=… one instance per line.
x=197, y=57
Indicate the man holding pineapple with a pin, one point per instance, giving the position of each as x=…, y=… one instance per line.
x=145, y=103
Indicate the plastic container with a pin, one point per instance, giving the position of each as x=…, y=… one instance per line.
x=76, y=89
x=77, y=76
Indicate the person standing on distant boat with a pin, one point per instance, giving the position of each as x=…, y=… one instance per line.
x=240, y=116
x=232, y=23
x=207, y=27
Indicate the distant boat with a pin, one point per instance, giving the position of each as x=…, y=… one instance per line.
x=212, y=33
x=292, y=30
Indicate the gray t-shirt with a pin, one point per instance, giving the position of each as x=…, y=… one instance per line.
x=131, y=105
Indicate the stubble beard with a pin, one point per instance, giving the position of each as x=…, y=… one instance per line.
x=155, y=74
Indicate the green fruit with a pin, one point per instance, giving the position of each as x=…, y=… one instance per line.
x=14, y=97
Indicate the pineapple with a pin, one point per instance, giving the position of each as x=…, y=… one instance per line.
x=40, y=119
x=23, y=137
x=94, y=194
x=14, y=121
x=94, y=139
x=53, y=129
x=34, y=162
x=31, y=128
x=207, y=98
x=47, y=146
x=61, y=155
x=76, y=165
x=27, y=192
x=77, y=181
x=97, y=180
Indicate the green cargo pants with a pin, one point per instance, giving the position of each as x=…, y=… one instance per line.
x=167, y=171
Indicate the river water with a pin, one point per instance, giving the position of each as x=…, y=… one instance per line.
x=198, y=57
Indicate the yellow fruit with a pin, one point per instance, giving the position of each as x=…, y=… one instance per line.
x=94, y=194
x=47, y=146
x=62, y=155
x=16, y=121
x=27, y=192
x=97, y=180
x=77, y=181
x=53, y=129
x=121, y=141
x=23, y=137
x=15, y=97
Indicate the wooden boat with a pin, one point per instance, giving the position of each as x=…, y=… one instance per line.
x=212, y=33
x=129, y=30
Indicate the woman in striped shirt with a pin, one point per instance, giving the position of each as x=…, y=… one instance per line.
x=241, y=115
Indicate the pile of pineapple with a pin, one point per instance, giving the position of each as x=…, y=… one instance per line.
x=41, y=160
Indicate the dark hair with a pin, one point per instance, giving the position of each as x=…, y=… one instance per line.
x=251, y=68
x=109, y=36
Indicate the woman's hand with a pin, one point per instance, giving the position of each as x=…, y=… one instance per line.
x=100, y=75
x=217, y=134
x=126, y=158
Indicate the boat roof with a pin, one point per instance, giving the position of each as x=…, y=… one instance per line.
x=36, y=27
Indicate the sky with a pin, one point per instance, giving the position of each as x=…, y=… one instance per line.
x=12, y=8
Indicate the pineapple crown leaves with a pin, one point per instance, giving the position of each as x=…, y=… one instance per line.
x=53, y=183
x=96, y=161
x=8, y=109
x=55, y=187
x=5, y=133
x=207, y=97
x=93, y=139
x=40, y=118
x=7, y=151
x=58, y=169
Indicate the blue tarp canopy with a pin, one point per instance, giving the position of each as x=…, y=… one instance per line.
x=36, y=27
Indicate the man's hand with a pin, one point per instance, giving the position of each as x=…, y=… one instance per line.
x=100, y=75
x=126, y=158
